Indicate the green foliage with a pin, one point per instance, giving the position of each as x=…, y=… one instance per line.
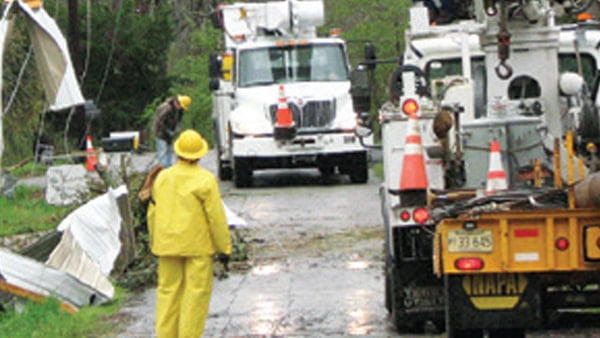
x=193, y=78
x=130, y=68
x=22, y=96
x=130, y=62
x=382, y=22
x=124, y=69
x=46, y=319
x=28, y=211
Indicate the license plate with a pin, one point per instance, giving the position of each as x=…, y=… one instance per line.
x=470, y=241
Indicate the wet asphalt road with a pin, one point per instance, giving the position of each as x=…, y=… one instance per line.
x=315, y=268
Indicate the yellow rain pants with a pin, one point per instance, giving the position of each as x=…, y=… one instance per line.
x=183, y=296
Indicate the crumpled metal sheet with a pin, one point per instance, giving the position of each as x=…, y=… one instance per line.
x=78, y=268
x=68, y=256
x=46, y=280
x=96, y=226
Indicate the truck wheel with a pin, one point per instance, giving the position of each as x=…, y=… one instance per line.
x=224, y=171
x=400, y=317
x=359, y=170
x=242, y=172
x=388, y=291
x=512, y=333
x=451, y=330
x=326, y=171
x=455, y=333
x=386, y=251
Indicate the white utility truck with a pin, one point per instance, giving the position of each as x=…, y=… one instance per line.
x=489, y=231
x=273, y=58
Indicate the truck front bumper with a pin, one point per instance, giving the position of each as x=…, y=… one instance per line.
x=301, y=145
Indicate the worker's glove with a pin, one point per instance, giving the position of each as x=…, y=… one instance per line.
x=224, y=259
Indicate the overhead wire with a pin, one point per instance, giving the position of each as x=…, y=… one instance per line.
x=88, y=47
x=19, y=78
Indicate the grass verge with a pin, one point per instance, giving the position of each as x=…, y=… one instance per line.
x=27, y=211
x=46, y=319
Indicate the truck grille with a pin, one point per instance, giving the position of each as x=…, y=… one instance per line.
x=312, y=114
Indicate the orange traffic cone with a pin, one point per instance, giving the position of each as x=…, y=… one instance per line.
x=496, y=177
x=414, y=175
x=284, y=114
x=285, y=127
x=92, y=160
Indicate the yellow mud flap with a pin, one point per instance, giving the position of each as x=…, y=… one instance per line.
x=494, y=291
x=493, y=300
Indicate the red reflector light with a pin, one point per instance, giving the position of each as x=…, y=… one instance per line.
x=421, y=215
x=598, y=242
x=526, y=233
x=470, y=263
x=410, y=107
x=405, y=216
x=562, y=244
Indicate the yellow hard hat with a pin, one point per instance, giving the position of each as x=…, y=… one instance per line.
x=190, y=145
x=184, y=101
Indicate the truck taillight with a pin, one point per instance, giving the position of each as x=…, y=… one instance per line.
x=562, y=244
x=421, y=215
x=468, y=264
x=405, y=216
x=410, y=107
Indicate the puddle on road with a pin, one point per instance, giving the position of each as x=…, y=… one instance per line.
x=266, y=270
x=357, y=265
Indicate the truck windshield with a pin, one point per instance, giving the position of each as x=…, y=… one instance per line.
x=319, y=62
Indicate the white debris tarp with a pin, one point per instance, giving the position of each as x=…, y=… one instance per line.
x=51, y=54
x=233, y=219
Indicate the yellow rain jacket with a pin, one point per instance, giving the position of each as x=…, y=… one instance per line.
x=186, y=216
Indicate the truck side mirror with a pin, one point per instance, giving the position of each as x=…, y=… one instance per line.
x=214, y=71
x=370, y=56
x=214, y=65
x=360, y=89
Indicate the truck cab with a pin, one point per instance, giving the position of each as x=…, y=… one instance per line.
x=274, y=62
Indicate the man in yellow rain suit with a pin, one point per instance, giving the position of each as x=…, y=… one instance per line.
x=187, y=227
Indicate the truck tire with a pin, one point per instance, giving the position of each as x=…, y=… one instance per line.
x=326, y=170
x=451, y=330
x=224, y=171
x=359, y=169
x=242, y=172
x=387, y=287
x=455, y=333
x=401, y=319
x=386, y=251
x=512, y=333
